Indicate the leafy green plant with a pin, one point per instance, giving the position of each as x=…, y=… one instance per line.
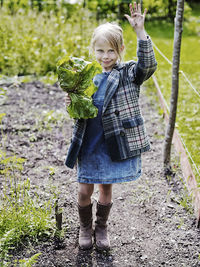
x=27, y=262
x=75, y=77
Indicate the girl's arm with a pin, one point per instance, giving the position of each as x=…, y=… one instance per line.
x=137, y=20
x=146, y=64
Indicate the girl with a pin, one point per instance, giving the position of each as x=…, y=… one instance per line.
x=109, y=146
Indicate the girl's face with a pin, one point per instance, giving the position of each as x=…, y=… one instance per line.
x=105, y=54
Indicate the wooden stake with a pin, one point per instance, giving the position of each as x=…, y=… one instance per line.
x=58, y=214
x=175, y=85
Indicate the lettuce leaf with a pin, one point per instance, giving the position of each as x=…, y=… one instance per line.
x=75, y=77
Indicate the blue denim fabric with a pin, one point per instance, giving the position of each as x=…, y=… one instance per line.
x=94, y=131
x=94, y=163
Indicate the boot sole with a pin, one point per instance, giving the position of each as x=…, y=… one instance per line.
x=99, y=248
x=85, y=248
x=102, y=249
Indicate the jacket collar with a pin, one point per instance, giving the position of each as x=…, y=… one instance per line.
x=118, y=66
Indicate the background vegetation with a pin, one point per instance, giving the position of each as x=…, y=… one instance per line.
x=34, y=35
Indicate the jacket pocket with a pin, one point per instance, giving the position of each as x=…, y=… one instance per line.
x=132, y=122
x=135, y=133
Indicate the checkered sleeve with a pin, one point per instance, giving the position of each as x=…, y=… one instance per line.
x=146, y=64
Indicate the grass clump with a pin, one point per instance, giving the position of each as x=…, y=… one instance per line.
x=24, y=217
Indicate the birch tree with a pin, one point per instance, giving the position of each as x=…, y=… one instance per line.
x=175, y=84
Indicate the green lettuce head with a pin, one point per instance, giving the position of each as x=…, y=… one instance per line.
x=75, y=77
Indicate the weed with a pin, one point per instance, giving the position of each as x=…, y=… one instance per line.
x=181, y=224
x=52, y=170
x=2, y=115
x=186, y=201
x=49, y=119
x=23, y=216
x=27, y=262
x=32, y=137
x=3, y=97
x=145, y=195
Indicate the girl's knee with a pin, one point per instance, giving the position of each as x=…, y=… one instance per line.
x=105, y=194
x=105, y=189
x=85, y=191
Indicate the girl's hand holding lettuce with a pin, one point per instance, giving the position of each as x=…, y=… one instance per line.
x=75, y=77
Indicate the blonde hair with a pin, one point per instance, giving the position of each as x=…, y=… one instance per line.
x=111, y=33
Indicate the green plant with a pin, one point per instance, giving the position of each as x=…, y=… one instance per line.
x=3, y=96
x=48, y=120
x=75, y=77
x=32, y=42
x=27, y=262
x=24, y=217
x=1, y=116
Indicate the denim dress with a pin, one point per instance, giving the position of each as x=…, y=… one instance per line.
x=94, y=163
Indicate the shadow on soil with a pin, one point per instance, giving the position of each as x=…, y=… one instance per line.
x=87, y=258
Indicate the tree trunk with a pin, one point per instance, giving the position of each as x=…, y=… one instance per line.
x=119, y=10
x=175, y=84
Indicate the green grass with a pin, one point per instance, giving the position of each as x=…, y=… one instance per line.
x=188, y=113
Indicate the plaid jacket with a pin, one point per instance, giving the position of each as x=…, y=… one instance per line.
x=123, y=124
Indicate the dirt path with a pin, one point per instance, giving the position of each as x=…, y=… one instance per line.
x=148, y=225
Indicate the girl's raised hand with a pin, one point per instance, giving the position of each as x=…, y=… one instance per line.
x=137, y=18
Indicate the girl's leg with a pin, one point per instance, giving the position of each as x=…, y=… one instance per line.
x=85, y=192
x=105, y=193
x=103, y=209
x=85, y=215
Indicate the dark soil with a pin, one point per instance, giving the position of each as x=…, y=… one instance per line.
x=151, y=222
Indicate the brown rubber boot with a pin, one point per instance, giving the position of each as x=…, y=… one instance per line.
x=101, y=235
x=85, y=233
